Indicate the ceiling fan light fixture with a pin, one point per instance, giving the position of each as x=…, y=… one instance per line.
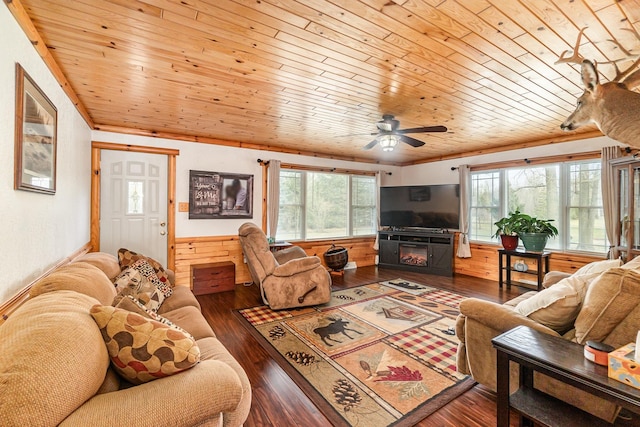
x=389, y=142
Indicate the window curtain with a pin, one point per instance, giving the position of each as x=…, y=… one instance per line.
x=608, y=181
x=464, y=250
x=273, y=200
x=376, y=244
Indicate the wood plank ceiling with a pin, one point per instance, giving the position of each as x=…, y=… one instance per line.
x=314, y=76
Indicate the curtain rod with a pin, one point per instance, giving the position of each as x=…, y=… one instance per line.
x=323, y=169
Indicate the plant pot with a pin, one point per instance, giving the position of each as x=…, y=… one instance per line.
x=534, y=242
x=510, y=243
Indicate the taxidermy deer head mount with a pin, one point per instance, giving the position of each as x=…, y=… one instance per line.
x=612, y=106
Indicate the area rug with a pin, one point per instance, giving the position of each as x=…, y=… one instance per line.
x=376, y=355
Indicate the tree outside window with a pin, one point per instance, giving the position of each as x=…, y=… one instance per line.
x=315, y=205
x=568, y=193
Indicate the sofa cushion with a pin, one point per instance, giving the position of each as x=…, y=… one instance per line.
x=181, y=297
x=142, y=349
x=111, y=382
x=517, y=300
x=553, y=277
x=634, y=264
x=53, y=359
x=558, y=306
x=106, y=262
x=140, y=281
x=127, y=257
x=191, y=320
x=608, y=300
x=79, y=277
x=599, y=266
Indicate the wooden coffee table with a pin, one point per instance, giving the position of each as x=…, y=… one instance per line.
x=559, y=359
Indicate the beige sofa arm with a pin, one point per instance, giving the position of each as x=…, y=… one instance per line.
x=171, y=275
x=553, y=277
x=296, y=266
x=498, y=317
x=185, y=399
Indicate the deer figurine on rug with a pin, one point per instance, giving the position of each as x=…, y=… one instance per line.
x=614, y=107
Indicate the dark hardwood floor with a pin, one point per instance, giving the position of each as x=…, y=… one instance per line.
x=277, y=400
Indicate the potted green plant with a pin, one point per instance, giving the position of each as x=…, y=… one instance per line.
x=534, y=232
x=507, y=230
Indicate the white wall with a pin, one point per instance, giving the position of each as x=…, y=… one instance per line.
x=441, y=173
x=38, y=230
x=217, y=158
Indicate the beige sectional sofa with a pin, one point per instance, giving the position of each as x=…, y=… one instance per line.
x=55, y=368
x=600, y=302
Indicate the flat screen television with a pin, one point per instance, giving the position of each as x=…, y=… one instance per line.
x=421, y=206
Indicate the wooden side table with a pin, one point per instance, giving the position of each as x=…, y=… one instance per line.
x=213, y=277
x=504, y=264
x=278, y=246
x=559, y=359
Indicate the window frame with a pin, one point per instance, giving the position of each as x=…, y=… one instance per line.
x=564, y=196
x=304, y=171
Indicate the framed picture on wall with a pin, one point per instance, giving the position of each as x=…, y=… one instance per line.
x=35, y=137
x=216, y=195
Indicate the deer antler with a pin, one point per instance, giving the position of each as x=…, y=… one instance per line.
x=631, y=79
x=575, y=58
x=628, y=76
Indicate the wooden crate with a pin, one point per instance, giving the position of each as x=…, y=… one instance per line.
x=213, y=277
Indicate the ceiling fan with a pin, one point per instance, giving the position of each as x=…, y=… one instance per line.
x=389, y=135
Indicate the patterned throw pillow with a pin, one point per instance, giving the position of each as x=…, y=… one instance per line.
x=127, y=257
x=140, y=281
x=130, y=303
x=143, y=350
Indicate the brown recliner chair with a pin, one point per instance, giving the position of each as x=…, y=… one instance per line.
x=287, y=278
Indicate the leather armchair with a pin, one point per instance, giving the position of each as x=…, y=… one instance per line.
x=287, y=278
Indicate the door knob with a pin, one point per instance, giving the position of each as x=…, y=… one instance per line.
x=162, y=233
x=162, y=224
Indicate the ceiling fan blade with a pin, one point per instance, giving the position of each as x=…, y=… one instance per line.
x=411, y=141
x=370, y=145
x=423, y=129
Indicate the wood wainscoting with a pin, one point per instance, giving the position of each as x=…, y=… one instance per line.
x=484, y=261
x=201, y=250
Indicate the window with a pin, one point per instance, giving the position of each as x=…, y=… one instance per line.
x=568, y=192
x=316, y=205
x=135, y=197
x=485, y=205
x=584, y=209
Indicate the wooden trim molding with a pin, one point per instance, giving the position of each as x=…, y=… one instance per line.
x=237, y=144
x=12, y=304
x=590, y=155
x=294, y=166
x=171, y=154
x=134, y=148
x=19, y=13
x=510, y=147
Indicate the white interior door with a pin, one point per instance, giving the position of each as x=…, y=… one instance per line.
x=133, y=203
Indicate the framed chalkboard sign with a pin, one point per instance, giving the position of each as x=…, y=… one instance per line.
x=215, y=195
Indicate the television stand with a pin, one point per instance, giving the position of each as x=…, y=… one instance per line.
x=419, y=251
